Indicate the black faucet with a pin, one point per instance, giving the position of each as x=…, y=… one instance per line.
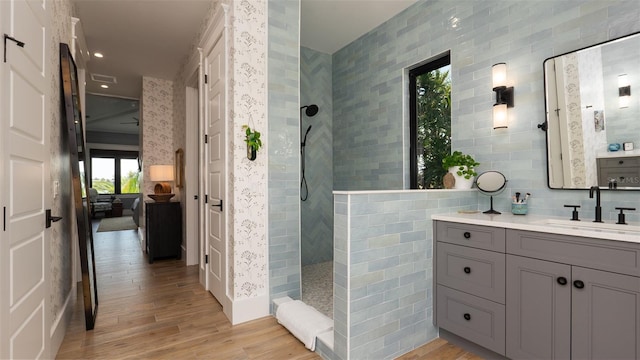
x=598, y=208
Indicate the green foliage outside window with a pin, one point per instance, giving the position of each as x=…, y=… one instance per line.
x=433, y=126
x=130, y=183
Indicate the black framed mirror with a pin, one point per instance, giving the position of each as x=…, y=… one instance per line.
x=72, y=118
x=592, y=127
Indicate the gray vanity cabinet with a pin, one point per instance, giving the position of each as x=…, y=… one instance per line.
x=470, y=291
x=548, y=317
x=559, y=310
x=538, y=310
x=537, y=295
x=605, y=315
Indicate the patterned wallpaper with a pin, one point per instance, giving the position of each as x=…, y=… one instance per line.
x=64, y=232
x=574, y=121
x=246, y=103
x=248, y=179
x=157, y=126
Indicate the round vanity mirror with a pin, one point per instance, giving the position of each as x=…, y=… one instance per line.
x=491, y=183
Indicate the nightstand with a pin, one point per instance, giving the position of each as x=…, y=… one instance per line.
x=163, y=229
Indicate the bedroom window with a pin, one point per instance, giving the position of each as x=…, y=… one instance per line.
x=430, y=122
x=115, y=172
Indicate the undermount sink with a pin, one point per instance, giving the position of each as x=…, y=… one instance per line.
x=592, y=226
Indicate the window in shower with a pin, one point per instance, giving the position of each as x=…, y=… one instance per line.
x=430, y=122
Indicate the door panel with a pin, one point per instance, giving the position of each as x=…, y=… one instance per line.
x=606, y=315
x=24, y=248
x=215, y=171
x=538, y=309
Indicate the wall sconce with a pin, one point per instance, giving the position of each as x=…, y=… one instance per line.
x=504, y=95
x=162, y=174
x=624, y=90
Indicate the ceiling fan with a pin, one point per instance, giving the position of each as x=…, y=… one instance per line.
x=137, y=121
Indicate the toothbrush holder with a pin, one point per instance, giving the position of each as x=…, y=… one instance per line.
x=519, y=209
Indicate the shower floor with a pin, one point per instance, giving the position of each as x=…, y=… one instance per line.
x=317, y=287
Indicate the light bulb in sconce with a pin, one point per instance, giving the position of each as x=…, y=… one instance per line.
x=500, y=116
x=504, y=96
x=499, y=75
x=624, y=90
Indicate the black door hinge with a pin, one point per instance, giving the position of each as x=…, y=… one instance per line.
x=206, y=199
x=206, y=259
x=206, y=138
x=4, y=218
x=195, y=197
x=206, y=79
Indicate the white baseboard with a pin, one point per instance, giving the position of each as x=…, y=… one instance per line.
x=244, y=310
x=143, y=244
x=61, y=323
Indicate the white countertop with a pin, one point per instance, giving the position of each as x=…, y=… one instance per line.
x=617, y=154
x=548, y=224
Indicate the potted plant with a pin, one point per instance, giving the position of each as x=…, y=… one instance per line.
x=252, y=138
x=461, y=166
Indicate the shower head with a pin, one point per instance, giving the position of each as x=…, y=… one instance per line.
x=311, y=110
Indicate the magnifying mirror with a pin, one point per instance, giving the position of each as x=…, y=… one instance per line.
x=491, y=183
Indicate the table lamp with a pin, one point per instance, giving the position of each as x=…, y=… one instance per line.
x=163, y=174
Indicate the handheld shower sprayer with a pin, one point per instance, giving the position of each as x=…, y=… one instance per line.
x=310, y=110
x=304, y=142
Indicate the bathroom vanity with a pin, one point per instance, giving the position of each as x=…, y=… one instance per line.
x=538, y=288
x=623, y=167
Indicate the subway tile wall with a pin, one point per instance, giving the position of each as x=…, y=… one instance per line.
x=283, y=148
x=316, y=213
x=383, y=269
x=369, y=124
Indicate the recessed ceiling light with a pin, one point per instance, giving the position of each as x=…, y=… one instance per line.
x=104, y=86
x=98, y=55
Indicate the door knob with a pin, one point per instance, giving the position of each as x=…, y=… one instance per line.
x=49, y=219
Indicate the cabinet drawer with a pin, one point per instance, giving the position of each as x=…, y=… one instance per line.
x=474, y=271
x=615, y=256
x=627, y=177
x=473, y=318
x=620, y=162
x=482, y=237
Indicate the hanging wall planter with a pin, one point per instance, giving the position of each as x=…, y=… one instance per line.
x=252, y=138
x=251, y=153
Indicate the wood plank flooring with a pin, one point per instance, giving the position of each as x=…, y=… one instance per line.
x=160, y=311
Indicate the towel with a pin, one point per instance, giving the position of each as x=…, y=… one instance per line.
x=303, y=321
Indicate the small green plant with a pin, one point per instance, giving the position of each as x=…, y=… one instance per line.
x=252, y=138
x=461, y=160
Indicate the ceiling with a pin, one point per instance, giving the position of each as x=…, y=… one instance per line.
x=152, y=37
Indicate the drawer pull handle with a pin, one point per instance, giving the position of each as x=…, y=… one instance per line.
x=467, y=234
x=467, y=316
x=578, y=284
x=562, y=280
x=621, y=162
x=467, y=270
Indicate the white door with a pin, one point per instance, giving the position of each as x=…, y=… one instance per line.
x=24, y=141
x=215, y=170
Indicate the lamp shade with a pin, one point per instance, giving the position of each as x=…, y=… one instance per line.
x=499, y=75
x=161, y=172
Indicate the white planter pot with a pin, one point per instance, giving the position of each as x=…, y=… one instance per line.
x=461, y=182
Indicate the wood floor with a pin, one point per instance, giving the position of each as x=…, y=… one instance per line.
x=160, y=311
